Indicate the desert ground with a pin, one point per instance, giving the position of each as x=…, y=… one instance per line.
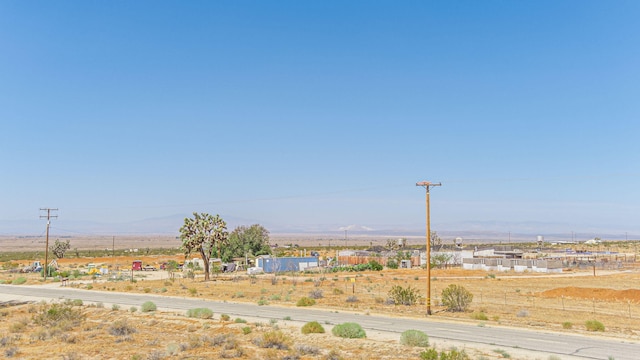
x=550, y=302
x=557, y=302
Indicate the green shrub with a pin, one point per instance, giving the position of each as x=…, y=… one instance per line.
x=58, y=315
x=349, y=330
x=594, y=325
x=225, y=317
x=240, y=321
x=392, y=264
x=305, y=301
x=337, y=291
x=456, y=298
x=567, y=325
x=404, y=296
x=200, y=313
x=479, y=316
x=312, y=327
x=148, y=306
x=429, y=354
x=454, y=354
x=375, y=266
x=414, y=338
x=19, y=281
x=246, y=330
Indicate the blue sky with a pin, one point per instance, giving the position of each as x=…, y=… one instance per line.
x=323, y=114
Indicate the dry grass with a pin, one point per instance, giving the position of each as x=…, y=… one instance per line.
x=107, y=334
x=548, y=301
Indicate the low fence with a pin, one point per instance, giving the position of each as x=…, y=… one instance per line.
x=355, y=260
x=522, y=303
x=518, y=265
x=494, y=301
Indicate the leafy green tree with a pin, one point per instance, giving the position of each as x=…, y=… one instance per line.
x=440, y=260
x=403, y=255
x=252, y=240
x=60, y=247
x=171, y=266
x=206, y=234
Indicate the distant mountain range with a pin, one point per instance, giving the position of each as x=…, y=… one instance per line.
x=169, y=225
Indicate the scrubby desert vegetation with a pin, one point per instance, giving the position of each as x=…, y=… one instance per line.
x=573, y=302
x=73, y=330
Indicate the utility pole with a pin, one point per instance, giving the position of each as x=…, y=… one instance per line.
x=46, y=252
x=427, y=185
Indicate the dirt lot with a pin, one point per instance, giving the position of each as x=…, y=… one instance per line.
x=562, y=302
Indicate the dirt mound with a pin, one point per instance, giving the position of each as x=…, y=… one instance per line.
x=594, y=293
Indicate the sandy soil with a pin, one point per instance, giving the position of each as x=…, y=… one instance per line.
x=550, y=302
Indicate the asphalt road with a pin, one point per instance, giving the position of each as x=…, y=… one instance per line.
x=587, y=347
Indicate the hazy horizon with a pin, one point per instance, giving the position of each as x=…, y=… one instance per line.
x=316, y=116
x=169, y=226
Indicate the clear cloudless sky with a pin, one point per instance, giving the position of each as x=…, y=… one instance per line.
x=323, y=114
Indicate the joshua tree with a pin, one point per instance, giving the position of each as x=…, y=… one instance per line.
x=205, y=234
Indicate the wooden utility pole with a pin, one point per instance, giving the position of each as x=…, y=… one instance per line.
x=46, y=252
x=427, y=185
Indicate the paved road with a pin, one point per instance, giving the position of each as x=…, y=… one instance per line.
x=496, y=337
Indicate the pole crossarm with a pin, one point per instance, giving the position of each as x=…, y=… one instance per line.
x=428, y=185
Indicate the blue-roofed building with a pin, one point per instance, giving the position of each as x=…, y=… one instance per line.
x=271, y=264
